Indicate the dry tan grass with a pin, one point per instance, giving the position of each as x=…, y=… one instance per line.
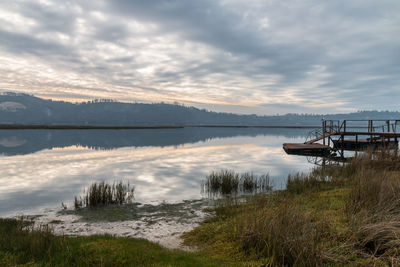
x=373, y=205
x=286, y=234
x=339, y=215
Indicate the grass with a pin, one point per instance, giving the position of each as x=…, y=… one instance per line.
x=23, y=244
x=103, y=194
x=334, y=216
x=344, y=215
x=228, y=182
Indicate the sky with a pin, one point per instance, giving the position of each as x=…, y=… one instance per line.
x=253, y=56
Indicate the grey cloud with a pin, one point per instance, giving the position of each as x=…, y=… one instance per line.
x=17, y=43
x=50, y=19
x=317, y=52
x=210, y=23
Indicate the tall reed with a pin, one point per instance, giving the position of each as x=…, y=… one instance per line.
x=102, y=194
x=227, y=182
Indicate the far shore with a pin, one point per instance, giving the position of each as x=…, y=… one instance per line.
x=104, y=127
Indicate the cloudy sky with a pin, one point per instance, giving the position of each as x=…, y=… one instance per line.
x=253, y=56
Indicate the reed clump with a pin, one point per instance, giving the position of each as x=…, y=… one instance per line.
x=226, y=182
x=252, y=183
x=103, y=194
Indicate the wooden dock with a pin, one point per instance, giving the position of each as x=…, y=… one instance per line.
x=352, y=144
x=307, y=149
x=334, y=136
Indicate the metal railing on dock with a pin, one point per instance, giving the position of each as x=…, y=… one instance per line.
x=376, y=132
x=334, y=137
x=370, y=125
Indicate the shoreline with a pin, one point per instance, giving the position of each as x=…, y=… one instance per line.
x=336, y=215
x=103, y=127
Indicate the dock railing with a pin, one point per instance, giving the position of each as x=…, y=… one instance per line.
x=374, y=129
x=372, y=126
x=337, y=136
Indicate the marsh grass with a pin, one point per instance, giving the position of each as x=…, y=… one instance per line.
x=279, y=228
x=26, y=241
x=372, y=205
x=23, y=244
x=373, y=208
x=103, y=194
x=316, y=180
x=286, y=234
x=228, y=182
x=336, y=215
x=266, y=228
x=224, y=182
x=252, y=183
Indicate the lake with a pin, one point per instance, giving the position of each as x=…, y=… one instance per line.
x=40, y=169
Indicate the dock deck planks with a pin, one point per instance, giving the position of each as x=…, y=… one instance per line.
x=307, y=149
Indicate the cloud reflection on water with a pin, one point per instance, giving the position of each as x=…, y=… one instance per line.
x=31, y=182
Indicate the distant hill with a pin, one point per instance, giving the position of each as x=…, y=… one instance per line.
x=27, y=109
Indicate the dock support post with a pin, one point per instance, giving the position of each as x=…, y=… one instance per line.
x=370, y=129
x=342, y=139
x=323, y=131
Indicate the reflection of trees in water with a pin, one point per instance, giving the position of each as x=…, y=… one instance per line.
x=99, y=148
x=36, y=140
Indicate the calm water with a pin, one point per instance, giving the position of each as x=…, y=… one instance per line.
x=39, y=169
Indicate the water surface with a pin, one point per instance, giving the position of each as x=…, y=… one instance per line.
x=39, y=169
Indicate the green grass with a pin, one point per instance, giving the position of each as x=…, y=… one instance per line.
x=21, y=244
